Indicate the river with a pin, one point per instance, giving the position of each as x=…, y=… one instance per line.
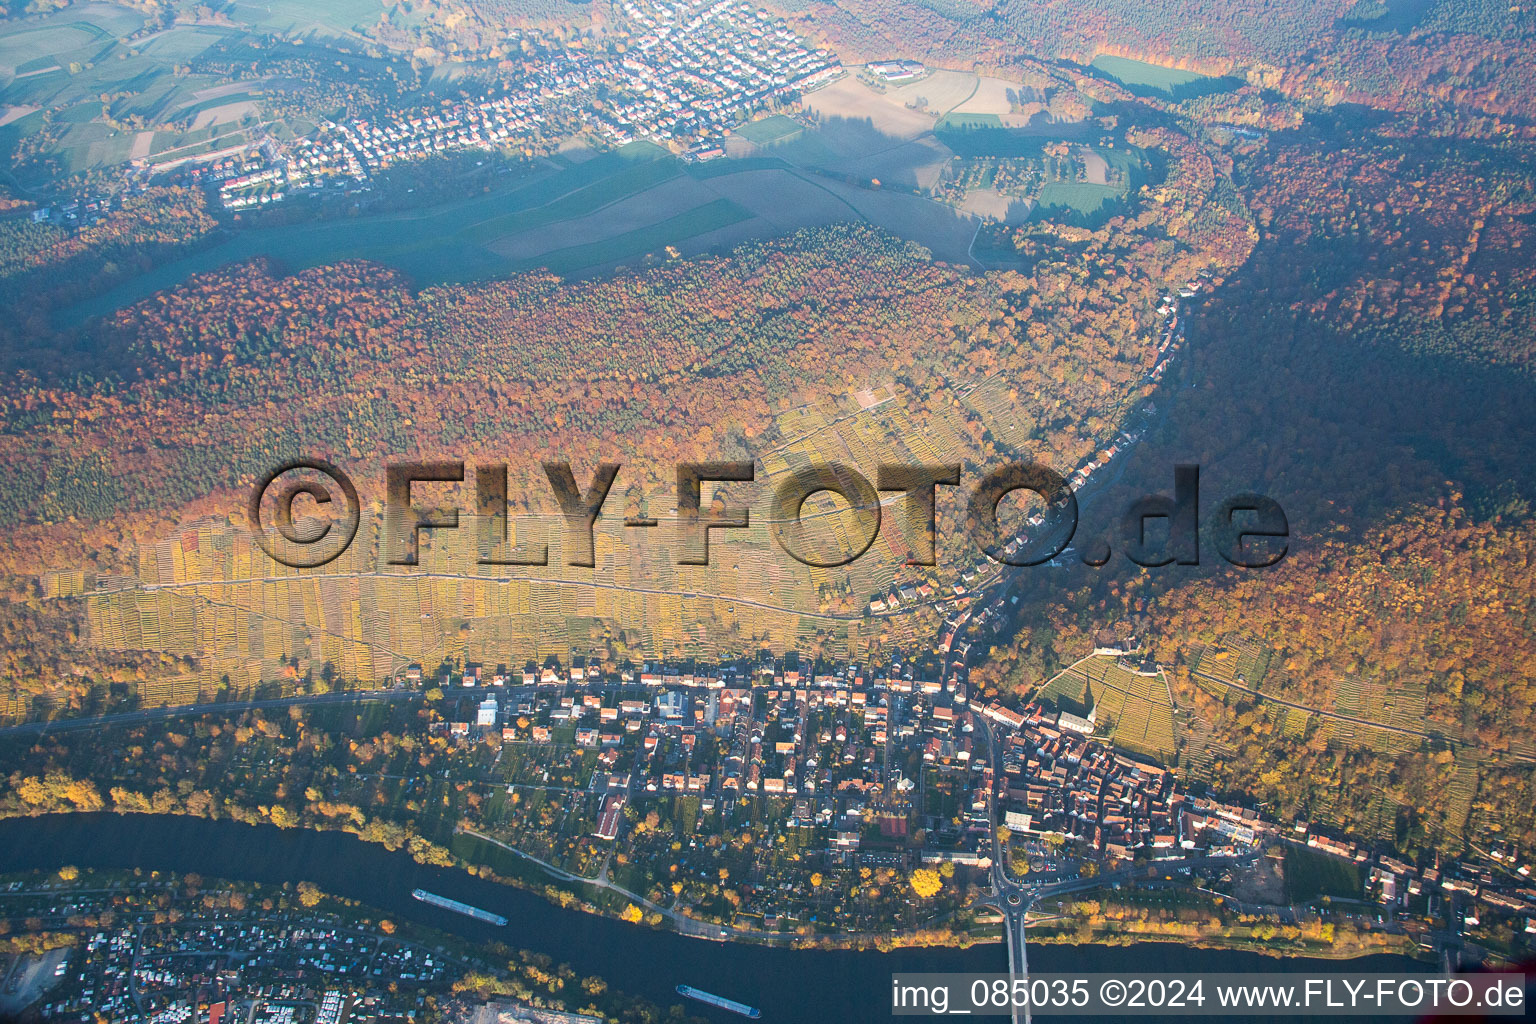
x=794, y=986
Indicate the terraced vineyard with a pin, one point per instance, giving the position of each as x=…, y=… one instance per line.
x=1377, y=702
x=1461, y=790
x=1131, y=710
x=208, y=593
x=1470, y=774
x=1238, y=661
x=1235, y=659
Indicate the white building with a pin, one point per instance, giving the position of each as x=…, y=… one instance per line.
x=672, y=704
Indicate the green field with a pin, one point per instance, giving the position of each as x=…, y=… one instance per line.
x=303, y=17
x=1128, y=160
x=42, y=47
x=67, y=60
x=1154, y=79
x=770, y=129
x=626, y=181
x=978, y=140
x=190, y=111
x=182, y=43
x=435, y=245
x=1310, y=875
x=74, y=58
x=94, y=145
x=170, y=145
x=1135, y=73
x=720, y=168
x=985, y=135
x=697, y=221
x=1083, y=197
x=965, y=122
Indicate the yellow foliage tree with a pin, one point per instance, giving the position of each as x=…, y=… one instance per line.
x=926, y=883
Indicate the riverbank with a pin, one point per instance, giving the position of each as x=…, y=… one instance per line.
x=605, y=899
x=790, y=984
x=111, y=924
x=1273, y=948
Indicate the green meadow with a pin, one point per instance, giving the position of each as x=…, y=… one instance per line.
x=1144, y=79
x=769, y=130
x=1140, y=73
x=689, y=224
x=431, y=246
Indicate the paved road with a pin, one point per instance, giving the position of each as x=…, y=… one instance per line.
x=1013, y=898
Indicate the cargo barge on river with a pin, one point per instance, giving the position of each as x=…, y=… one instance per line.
x=458, y=908
x=750, y=1012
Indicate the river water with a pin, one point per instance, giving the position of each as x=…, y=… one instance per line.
x=794, y=986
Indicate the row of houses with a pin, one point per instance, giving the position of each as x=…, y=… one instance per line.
x=698, y=69
x=694, y=71
x=1054, y=780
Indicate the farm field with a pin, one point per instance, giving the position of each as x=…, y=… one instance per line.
x=583, y=221
x=700, y=220
x=781, y=197
x=990, y=203
x=873, y=155
x=784, y=199
x=335, y=17
x=71, y=60
x=58, y=40
x=980, y=135
x=848, y=99
x=1249, y=663
x=965, y=121
x=912, y=165
x=1244, y=661
x=418, y=242
x=939, y=91
x=998, y=98
x=945, y=231
x=1096, y=166
x=856, y=150
x=68, y=60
